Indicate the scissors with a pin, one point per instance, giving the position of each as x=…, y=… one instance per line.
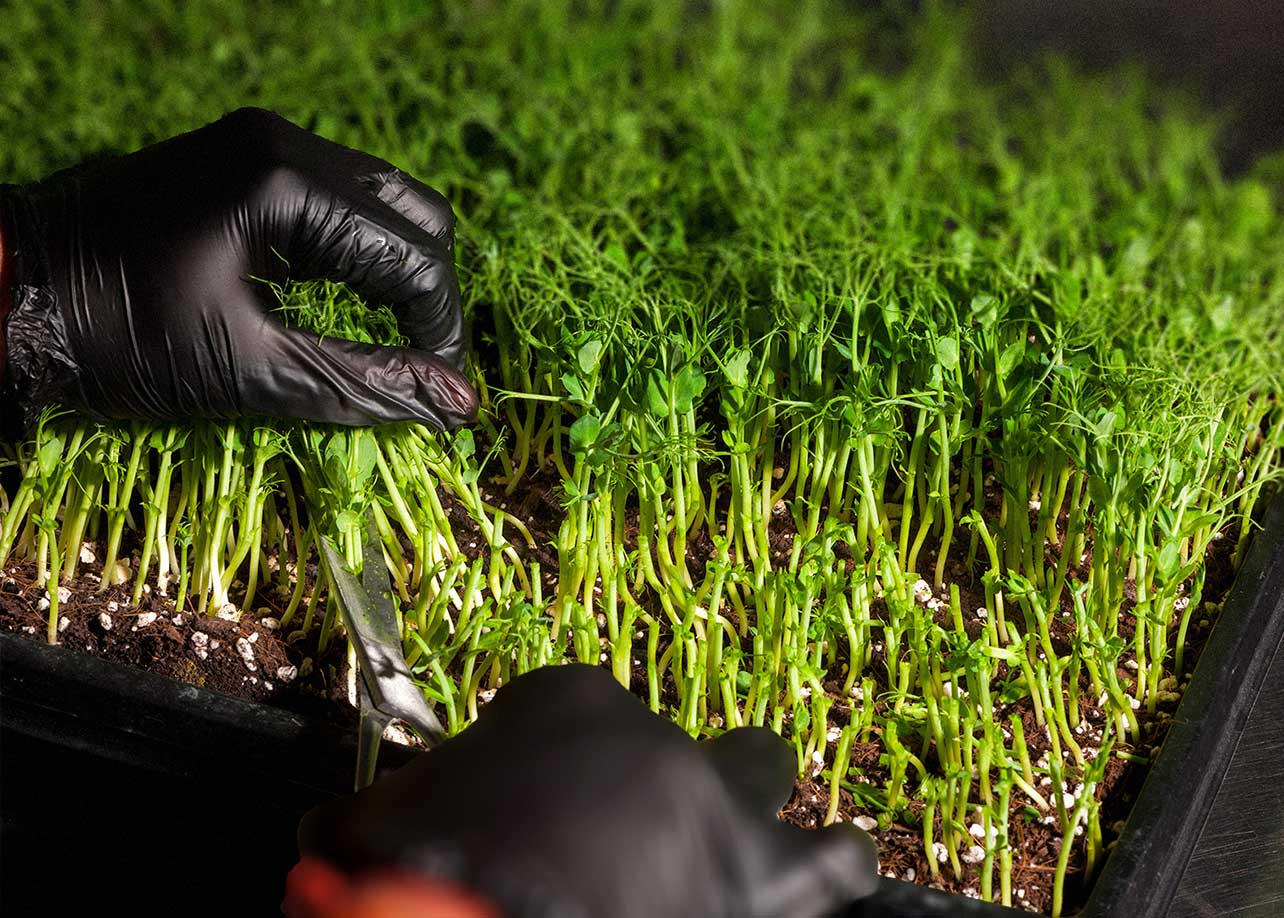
x=386, y=690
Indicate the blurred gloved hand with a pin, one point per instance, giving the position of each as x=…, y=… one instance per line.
x=134, y=296
x=568, y=797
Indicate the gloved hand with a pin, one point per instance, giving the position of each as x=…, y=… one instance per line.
x=568, y=797
x=133, y=294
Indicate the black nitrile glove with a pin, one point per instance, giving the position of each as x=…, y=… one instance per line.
x=134, y=294
x=569, y=798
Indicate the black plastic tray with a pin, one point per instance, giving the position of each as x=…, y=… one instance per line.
x=123, y=789
x=1206, y=836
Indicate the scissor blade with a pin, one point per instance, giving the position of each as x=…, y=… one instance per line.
x=370, y=729
x=371, y=619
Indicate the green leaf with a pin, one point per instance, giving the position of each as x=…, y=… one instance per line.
x=584, y=434
x=1169, y=561
x=1135, y=257
x=348, y=521
x=1195, y=521
x=735, y=444
x=49, y=456
x=985, y=309
x=1069, y=295
x=1222, y=314
x=611, y=437
x=365, y=459
x=1105, y=425
x=688, y=386
x=891, y=310
x=804, y=310
x=574, y=389
x=947, y=353
x=1019, y=585
x=1098, y=491
x=463, y=445
x=1002, y=653
x=607, y=440
x=737, y=369
x=590, y=356
x=802, y=717
x=657, y=394
x=335, y=457
x=1014, y=691
x=1010, y=358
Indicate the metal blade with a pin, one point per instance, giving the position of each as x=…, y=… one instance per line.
x=371, y=620
x=370, y=729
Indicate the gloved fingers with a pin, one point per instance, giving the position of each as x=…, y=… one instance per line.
x=817, y=872
x=757, y=767
x=588, y=698
x=346, y=234
x=808, y=873
x=296, y=374
x=339, y=213
x=276, y=140
x=425, y=207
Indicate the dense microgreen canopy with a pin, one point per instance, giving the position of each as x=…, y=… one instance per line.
x=882, y=403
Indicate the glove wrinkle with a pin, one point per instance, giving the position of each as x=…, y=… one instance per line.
x=420, y=205
x=134, y=369
x=41, y=369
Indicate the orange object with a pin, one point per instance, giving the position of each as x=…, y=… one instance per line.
x=315, y=889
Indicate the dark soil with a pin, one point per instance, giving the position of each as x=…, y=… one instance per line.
x=1035, y=846
x=212, y=652
x=247, y=658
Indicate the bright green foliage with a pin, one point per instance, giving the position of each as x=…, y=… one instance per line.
x=793, y=327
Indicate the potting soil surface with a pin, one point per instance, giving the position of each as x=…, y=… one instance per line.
x=243, y=656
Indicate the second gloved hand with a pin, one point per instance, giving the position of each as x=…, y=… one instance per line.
x=569, y=798
x=134, y=294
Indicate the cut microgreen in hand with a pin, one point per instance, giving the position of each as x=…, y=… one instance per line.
x=897, y=411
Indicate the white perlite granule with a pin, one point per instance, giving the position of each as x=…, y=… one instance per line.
x=200, y=644
x=973, y=855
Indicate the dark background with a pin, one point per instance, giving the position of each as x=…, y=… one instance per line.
x=1227, y=53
